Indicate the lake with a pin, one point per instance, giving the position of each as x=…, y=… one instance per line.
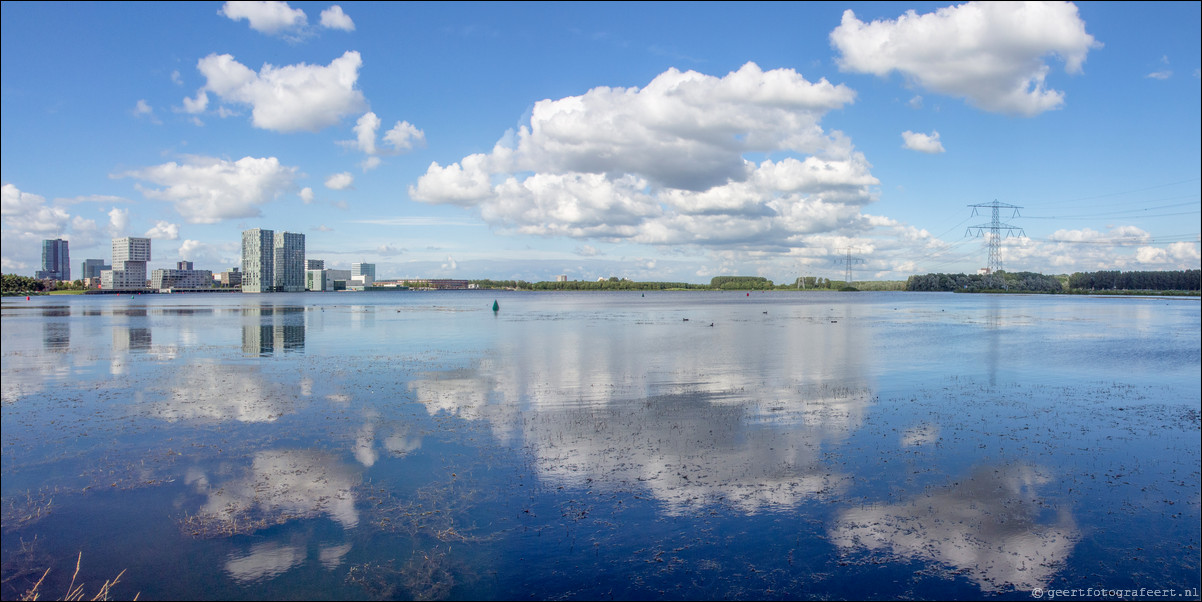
x=684, y=445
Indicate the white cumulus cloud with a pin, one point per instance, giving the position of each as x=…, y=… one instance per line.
x=340, y=181
x=370, y=163
x=665, y=164
x=196, y=105
x=207, y=190
x=403, y=137
x=164, y=230
x=190, y=248
x=28, y=213
x=143, y=109
x=365, y=132
x=1180, y=255
x=271, y=18
x=118, y=221
x=291, y=98
x=923, y=143
x=991, y=53
x=334, y=18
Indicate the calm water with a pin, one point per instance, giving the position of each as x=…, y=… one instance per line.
x=595, y=445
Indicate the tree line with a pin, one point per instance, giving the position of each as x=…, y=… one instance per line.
x=1176, y=280
x=741, y=283
x=1024, y=282
x=611, y=284
x=737, y=283
x=12, y=284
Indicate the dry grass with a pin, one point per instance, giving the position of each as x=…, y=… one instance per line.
x=76, y=592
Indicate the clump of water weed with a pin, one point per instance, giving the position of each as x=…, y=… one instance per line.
x=210, y=526
x=25, y=509
x=438, y=510
x=428, y=575
x=378, y=580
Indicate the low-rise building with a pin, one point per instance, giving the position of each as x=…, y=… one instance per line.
x=183, y=276
x=231, y=278
x=318, y=280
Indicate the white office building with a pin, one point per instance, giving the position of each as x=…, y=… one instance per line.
x=318, y=280
x=363, y=274
x=130, y=256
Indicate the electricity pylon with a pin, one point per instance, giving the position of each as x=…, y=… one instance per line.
x=848, y=261
x=995, y=228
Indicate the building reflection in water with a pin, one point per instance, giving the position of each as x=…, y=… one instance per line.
x=127, y=338
x=992, y=527
x=56, y=328
x=131, y=334
x=267, y=329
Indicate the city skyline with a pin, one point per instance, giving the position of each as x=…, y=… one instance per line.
x=508, y=141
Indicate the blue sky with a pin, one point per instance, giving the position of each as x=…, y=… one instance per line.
x=672, y=141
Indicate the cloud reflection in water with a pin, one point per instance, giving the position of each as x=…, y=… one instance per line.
x=737, y=416
x=219, y=391
x=991, y=526
x=264, y=561
x=279, y=486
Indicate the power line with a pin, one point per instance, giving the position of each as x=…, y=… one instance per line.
x=1113, y=194
x=1158, y=240
x=1112, y=217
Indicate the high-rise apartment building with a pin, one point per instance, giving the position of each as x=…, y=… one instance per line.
x=289, y=259
x=272, y=261
x=258, y=263
x=130, y=256
x=315, y=264
x=56, y=261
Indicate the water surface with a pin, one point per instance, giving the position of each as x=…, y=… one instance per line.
x=586, y=445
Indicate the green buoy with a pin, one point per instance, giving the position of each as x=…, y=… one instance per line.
x=495, y=306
